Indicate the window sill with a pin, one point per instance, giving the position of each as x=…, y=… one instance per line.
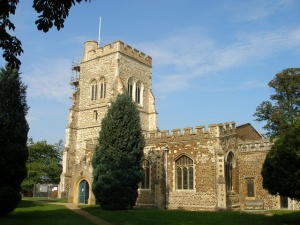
x=144, y=189
x=185, y=191
x=101, y=100
x=250, y=198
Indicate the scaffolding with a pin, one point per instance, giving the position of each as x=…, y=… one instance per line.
x=75, y=75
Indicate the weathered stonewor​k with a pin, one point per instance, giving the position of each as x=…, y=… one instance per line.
x=195, y=168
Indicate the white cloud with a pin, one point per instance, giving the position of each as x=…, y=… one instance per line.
x=49, y=79
x=257, y=9
x=251, y=84
x=172, y=83
x=193, y=53
x=177, y=60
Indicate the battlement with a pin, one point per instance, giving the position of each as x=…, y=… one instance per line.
x=214, y=130
x=251, y=146
x=223, y=129
x=92, y=51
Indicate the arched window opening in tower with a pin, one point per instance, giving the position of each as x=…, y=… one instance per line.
x=102, y=88
x=130, y=87
x=138, y=93
x=94, y=88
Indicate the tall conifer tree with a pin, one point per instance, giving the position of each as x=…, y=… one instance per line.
x=13, y=137
x=117, y=161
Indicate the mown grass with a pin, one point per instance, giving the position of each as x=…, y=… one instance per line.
x=39, y=199
x=37, y=213
x=179, y=217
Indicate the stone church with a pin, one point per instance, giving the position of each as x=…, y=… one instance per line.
x=213, y=168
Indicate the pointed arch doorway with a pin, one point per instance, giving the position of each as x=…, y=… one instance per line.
x=232, y=197
x=83, y=192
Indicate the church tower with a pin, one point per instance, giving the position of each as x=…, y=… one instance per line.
x=103, y=73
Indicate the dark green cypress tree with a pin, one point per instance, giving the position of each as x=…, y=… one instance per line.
x=13, y=137
x=117, y=161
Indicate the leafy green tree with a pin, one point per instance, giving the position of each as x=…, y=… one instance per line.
x=13, y=137
x=50, y=13
x=281, y=169
x=43, y=164
x=284, y=107
x=117, y=161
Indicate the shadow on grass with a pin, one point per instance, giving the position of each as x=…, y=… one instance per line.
x=179, y=217
x=31, y=213
x=45, y=199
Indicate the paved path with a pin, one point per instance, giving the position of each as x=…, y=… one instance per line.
x=94, y=219
x=74, y=208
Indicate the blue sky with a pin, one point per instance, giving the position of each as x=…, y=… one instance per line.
x=212, y=60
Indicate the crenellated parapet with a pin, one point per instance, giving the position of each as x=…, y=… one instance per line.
x=254, y=146
x=92, y=51
x=222, y=129
x=188, y=133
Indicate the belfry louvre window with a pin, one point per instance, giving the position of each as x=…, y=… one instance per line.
x=138, y=93
x=146, y=181
x=130, y=87
x=94, y=88
x=184, y=173
x=102, y=88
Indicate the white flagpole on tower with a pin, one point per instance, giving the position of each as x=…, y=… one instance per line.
x=99, y=32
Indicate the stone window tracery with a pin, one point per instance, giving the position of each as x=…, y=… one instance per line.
x=138, y=92
x=102, y=88
x=184, y=173
x=130, y=87
x=94, y=88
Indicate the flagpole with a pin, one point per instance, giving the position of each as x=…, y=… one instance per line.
x=99, y=32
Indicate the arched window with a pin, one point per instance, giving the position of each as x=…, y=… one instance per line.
x=184, y=173
x=102, y=88
x=138, y=92
x=94, y=88
x=228, y=172
x=130, y=87
x=146, y=181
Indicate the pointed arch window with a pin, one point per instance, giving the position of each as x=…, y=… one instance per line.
x=228, y=172
x=184, y=173
x=130, y=87
x=94, y=88
x=146, y=180
x=138, y=92
x=102, y=88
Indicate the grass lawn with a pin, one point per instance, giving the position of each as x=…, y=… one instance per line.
x=178, y=217
x=35, y=213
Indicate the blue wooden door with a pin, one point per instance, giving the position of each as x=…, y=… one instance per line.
x=82, y=192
